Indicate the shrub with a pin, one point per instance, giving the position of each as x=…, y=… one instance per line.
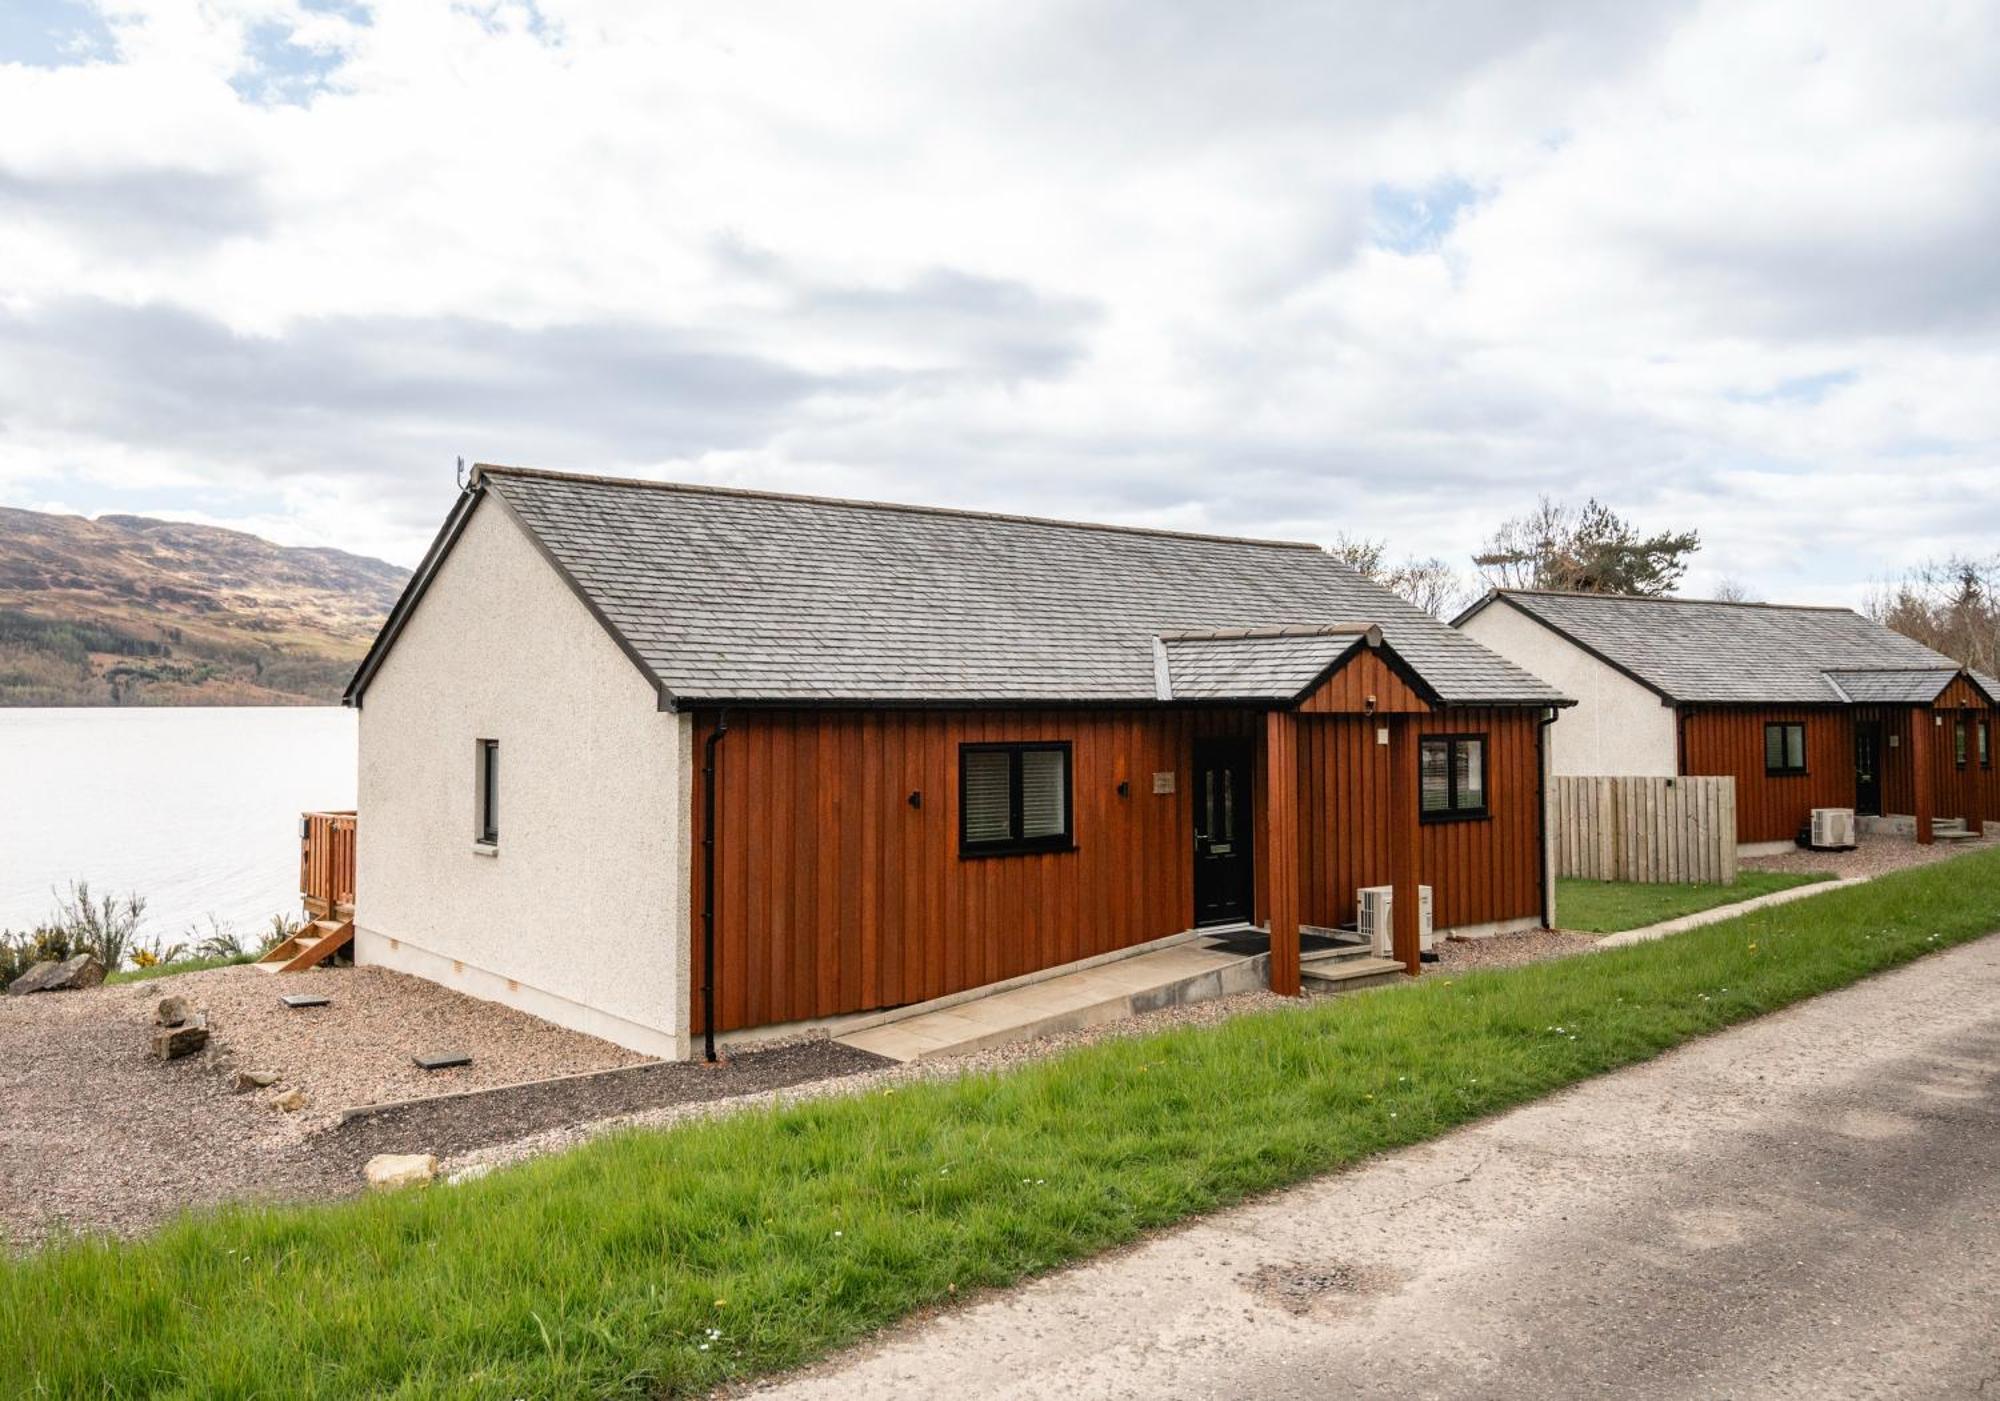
x=105, y=927
x=20, y=952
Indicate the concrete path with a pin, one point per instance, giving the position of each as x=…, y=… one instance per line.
x=1805, y=1206
x=1721, y=912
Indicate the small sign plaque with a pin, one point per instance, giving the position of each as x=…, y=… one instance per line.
x=1163, y=783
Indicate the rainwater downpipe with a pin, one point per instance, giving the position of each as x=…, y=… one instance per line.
x=708, y=882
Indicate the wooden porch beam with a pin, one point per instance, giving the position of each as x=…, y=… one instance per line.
x=1923, y=776
x=1405, y=842
x=1278, y=846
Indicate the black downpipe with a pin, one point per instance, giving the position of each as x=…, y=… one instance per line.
x=1542, y=816
x=708, y=882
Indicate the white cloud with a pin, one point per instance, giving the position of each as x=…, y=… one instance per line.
x=1281, y=268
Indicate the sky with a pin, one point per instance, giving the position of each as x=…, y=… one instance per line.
x=1296, y=270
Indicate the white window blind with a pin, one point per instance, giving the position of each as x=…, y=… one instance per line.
x=1042, y=793
x=988, y=804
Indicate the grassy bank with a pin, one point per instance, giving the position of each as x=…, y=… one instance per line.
x=667, y=1262
x=1607, y=906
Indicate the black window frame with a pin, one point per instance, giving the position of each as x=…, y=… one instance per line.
x=1961, y=742
x=486, y=788
x=1453, y=812
x=1017, y=845
x=1785, y=770
x=1985, y=744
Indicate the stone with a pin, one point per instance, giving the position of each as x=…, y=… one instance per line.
x=173, y=1042
x=172, y=1011
x=443, y=1060
x=71, y=975
x=290, y=1102
x=471, y=1172
x=296, y=1000
x=388, y=1171
x=255, y=1080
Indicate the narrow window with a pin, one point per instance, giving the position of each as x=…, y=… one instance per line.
x=487, y=828
x=1784, y=749
x=1013, y=798
x=1985, y=746
x=1958, y=741
x=1451, y=777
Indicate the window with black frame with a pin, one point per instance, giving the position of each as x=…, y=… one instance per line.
x=1985, y=745
x=1784, y=749
x=1451, y=777
x=486, y=830
x=1958, y=741
x=1013, y=798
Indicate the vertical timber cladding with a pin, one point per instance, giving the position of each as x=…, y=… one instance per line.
x=835, y=894
x=1962, y=792
x=1729, y=740
x=1479, y=870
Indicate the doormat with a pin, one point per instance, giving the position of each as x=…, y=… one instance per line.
x=1258, y=943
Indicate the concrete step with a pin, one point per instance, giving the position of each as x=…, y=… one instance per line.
x=1350, y=974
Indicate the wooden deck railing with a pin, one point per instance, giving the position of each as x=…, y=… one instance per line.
x=326, y=861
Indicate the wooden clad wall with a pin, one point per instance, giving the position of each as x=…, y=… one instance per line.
x=1364, y=675
x=1478, y=871
x=835, y=895
x=1729, y=741
x=1970, y=793
x=1654, y=830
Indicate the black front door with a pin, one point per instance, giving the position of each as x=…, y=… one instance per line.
x=1222, y=871
x=1868, y=768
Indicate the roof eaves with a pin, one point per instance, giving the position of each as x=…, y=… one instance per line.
x=413, y=592
x=666, y=698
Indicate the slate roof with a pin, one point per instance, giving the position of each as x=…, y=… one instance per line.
x=1913, y=687
x=727, y=595
x=1271, y=664
x=1740, y=653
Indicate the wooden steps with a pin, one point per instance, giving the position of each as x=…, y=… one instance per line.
x=312, y=945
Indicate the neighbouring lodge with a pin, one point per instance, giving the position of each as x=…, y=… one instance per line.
x=631, y=749
x=1804, y=707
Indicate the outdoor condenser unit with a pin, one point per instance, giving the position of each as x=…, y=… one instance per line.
x=1833, y=829
x=1374, y=907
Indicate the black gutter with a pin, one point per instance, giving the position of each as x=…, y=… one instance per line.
x=1542, y=816
x=708, y=882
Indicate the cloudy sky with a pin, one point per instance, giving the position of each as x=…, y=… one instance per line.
x=1293, y=269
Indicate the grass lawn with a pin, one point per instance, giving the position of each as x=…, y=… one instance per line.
x=185, y=965
x=1607, y=906
x=667, y=1262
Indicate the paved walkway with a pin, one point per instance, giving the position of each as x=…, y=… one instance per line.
x=1808, y=1205
x=1145, y=982
x=1721, y=912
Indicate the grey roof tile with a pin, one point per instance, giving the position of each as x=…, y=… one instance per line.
x=734, y=595
x=1741, y=653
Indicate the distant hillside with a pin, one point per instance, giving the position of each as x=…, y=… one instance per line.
x=124, y=610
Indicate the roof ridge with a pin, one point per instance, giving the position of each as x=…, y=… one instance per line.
x=1247, y=634
x=1675, y=598
x=485, y=469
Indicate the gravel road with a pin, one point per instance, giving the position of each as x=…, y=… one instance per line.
x=1805, y=1206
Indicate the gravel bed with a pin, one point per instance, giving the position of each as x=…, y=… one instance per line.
x=1875, y=855
x=100, y=1136
x=1511, y=950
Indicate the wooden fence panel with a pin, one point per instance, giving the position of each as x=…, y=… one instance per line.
x=1653, y=830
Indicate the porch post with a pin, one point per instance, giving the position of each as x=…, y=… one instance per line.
x=1405, y=838
x=1923, y=778
x=1278, y=847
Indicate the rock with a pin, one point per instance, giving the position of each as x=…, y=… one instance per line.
x=72, y=974
x=255, y=1080
x=173, y=1042
x=471, y=1172
x=172, y=1011
x=388, y=1171
x=291, y=1101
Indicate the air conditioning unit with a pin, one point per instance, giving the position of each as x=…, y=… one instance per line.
x=1833, y=829
x=1374, y=916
